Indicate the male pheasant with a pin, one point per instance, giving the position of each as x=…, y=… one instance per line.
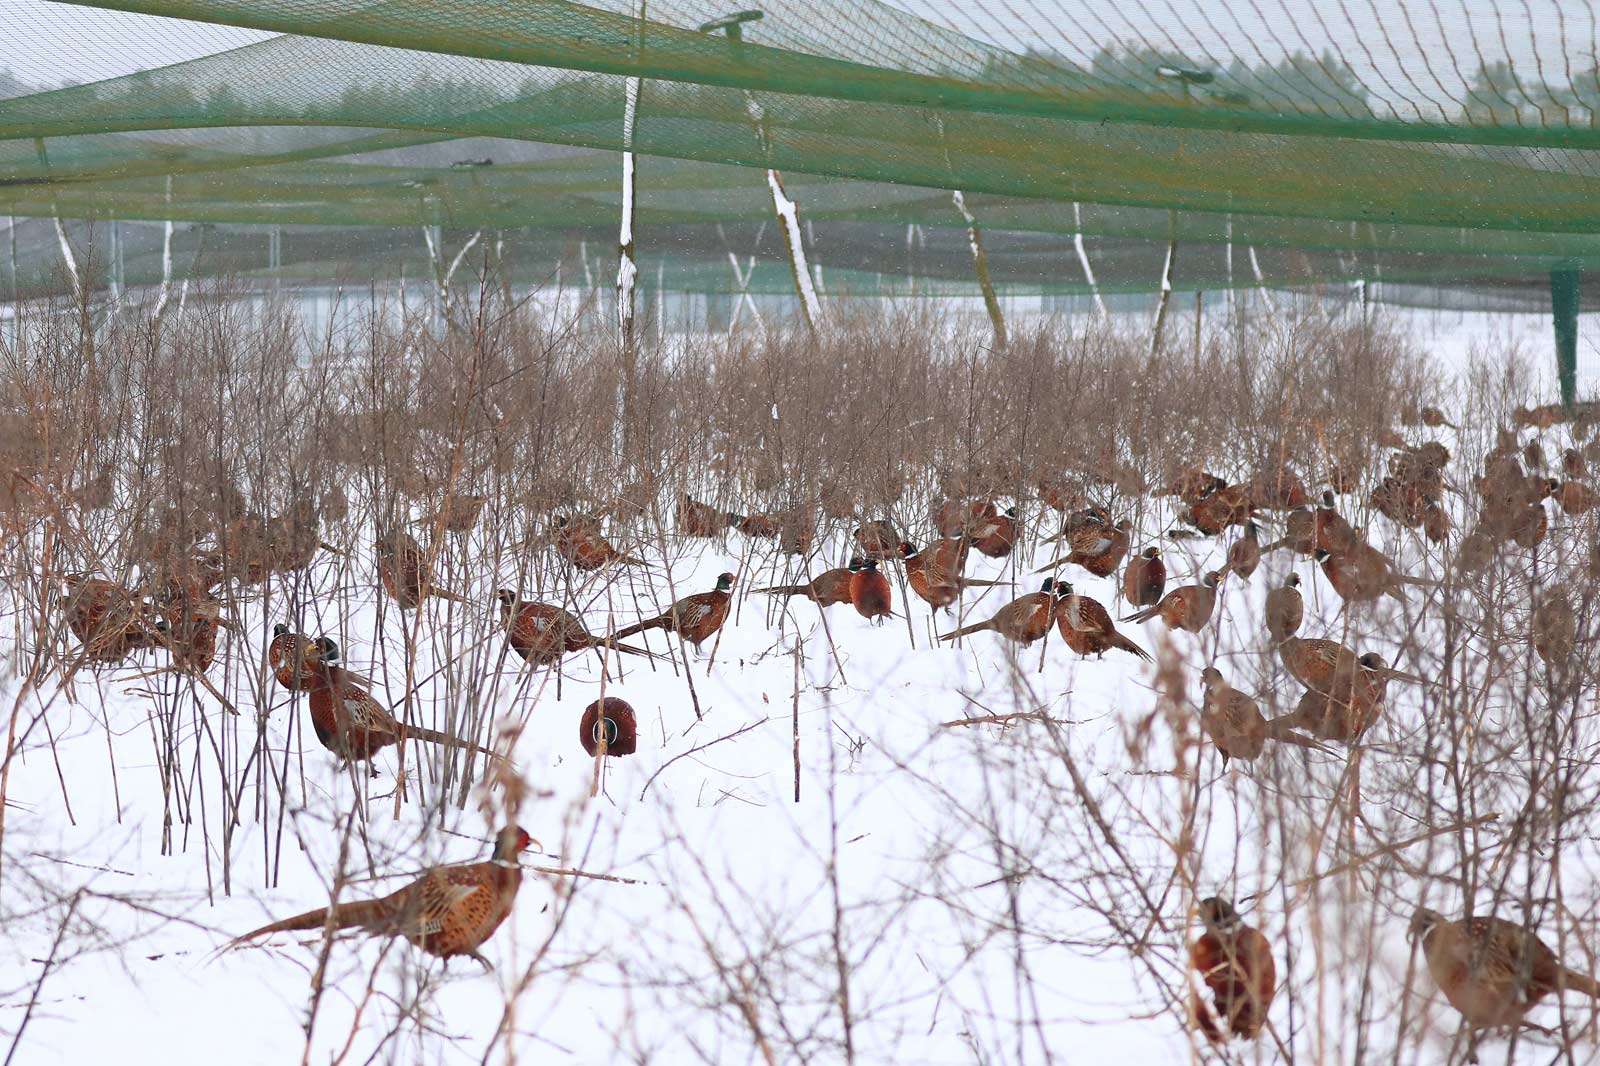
x=447, y=912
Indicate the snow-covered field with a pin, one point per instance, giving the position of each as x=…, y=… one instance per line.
x=965, y=881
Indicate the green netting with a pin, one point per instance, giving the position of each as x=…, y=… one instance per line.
x=1448, y=143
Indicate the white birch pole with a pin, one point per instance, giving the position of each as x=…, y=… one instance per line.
x=1083, y=259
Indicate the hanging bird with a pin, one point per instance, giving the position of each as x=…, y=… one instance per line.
x=350, y=722
x=542, y=633
x=1235, y=962
x=1187, y=607
x=1235, y=724
x=1144, y=578
x=582, y=545
x=1350, y=693
x=610, y=721
x=1329, y=667
x=1285, y=609
x=1493, y=971
x=406, y=574
x=1086, y=626
x=869, y=590
x=825, y=590
x=448, y=911
x=694, y=618
x=1023, y=620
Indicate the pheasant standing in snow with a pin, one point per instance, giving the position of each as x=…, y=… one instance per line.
x=694, y=618
x=448, y=911
x=869, y=590
x=542, y=633
x=1023, y=620
x=1086, y=626
x=825, y=590
x=349, y=721
x=406, y=574
x=934, y=572
x=583, y=545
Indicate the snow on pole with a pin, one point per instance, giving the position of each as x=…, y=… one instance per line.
x=67, y=258
x=165, y=293
x=1166, y=281
x=980, y=263
x=787, y=211
x=1261, y=282
x=1083, y=259
x=627, y=266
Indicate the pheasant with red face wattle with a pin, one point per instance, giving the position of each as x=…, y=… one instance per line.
x=349, y=721
x=694, y=618
x=869, y=590
x=447, y=912
x=1023, y=620
x=934, y=572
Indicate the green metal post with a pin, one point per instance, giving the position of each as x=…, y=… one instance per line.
x=1564, y=308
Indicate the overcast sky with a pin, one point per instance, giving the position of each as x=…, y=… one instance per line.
x=1399, y=52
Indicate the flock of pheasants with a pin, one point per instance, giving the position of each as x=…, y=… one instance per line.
x=1493, y=971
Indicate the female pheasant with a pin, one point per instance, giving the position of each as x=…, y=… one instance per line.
x=448, y=911
x=583, y=545
x=406, y=574
x=108, y=619
x=1491, y=970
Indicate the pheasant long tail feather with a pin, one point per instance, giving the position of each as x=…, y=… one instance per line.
x=627, y=648
x=784, y=590
x=1142, y=616
x=367, y=912
x=1580, y=982
x=980, y=583
x=1054, y=564
x=433, y=736
x=446, y=594
x=1120, y=641
x=976, y=627
x=658, y=622
x=1278, y=729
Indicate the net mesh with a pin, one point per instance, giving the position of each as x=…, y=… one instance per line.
x=1447, y=143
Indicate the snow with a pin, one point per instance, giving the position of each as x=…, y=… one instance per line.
x=726, y=857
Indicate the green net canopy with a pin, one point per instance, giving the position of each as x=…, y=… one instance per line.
x=1449, y=142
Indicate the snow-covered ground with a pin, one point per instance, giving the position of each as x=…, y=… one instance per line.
x=958, y=871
